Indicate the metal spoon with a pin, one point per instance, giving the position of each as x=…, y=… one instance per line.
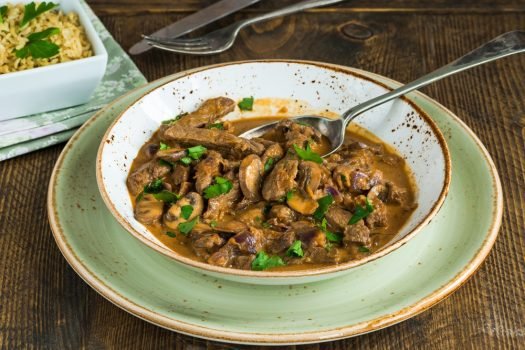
x=504, y=45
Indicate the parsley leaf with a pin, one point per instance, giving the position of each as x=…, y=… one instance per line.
x=213, y=223
x=262, y=261
x=37, y=47
x=186, y=227
x=324, y=204
x=221, y=186
x=139, y=196
x=185, y=211
x=330, y=236
x=154, y=186
x=308, y=154
x=196, y=152
x=173, y=120
x=246, y=104
x=31, y=11
x=166, y=196
x=219, y=126
x=163, y=146
x=186, y=160
x=295, y=249
x=171, y=234
x=166, y=163
x=3, y=13
x=269, y=163
x=363, y=249
x=361, y=213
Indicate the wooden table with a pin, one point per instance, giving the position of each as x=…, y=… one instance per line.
x=44, y=304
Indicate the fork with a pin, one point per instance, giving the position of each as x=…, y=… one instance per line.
x=222, y=39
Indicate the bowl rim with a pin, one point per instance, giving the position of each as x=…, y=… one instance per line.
x=99, y=49
x=276, y=275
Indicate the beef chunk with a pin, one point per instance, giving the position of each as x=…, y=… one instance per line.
x=148, y=172
x=298, y=134
x=216, y=139
x=207, y=169
x=321, y=255
x=219, y=205
x=357, y=233
x=181, y=174
x=282, y=214
x=378, y=216
x=280, y=180
x=207, y=113
x=205, y=243
x=278, y=242
x=338, y=217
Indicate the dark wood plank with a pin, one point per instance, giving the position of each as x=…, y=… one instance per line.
x=44, y=304
x=187, y=6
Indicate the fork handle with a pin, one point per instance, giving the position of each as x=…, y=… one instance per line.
x=303, y=5
x=504, y=45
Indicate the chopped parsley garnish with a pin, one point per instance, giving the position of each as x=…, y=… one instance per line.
x=308, y=154
x=38, y=47
x=268, y=164
x=263, y=261
x=171, y=234
x=330, y=236
x=163, y=146
x=324, y=204
x=154, y=186
x=186, y=160
x=289, y=194
x=196, y=152
x=186, y=227
x=295, y=249
x=185, y=211
x=219, y=126
x=213, y=223
x=343, y=178
x=266, y=224
x=221, y=186
x=31, y=11
x=166, y=196
x=361, y=213
x=246, y=104
x=173, y=120
x=363, y=249
x=139, y=196
x=3, y=13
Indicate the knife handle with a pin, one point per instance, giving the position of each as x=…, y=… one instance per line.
x=303, y=5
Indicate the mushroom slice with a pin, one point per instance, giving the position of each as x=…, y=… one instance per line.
x=173, y=217
x=148, y=209
x=301, y=204
x=310, y=176
x=250, y=177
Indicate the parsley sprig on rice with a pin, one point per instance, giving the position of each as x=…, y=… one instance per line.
x=37, y=34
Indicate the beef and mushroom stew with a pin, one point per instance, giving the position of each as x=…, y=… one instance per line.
x=270, y=202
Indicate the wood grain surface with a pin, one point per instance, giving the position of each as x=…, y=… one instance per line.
x=44, y=304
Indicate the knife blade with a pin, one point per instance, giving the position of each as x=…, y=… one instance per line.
x=194, y=21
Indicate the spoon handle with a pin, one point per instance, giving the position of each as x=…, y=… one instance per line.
x=504, y=45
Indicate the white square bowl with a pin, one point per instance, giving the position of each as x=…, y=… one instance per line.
x=55, y=86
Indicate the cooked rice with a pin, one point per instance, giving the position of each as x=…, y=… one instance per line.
x=72, y=38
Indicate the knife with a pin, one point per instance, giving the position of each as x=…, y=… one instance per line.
x=194, y=21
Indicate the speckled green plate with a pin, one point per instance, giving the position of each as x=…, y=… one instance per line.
x=385, y=291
